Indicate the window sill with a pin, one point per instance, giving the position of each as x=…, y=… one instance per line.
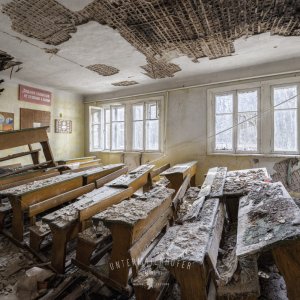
x=255, y=155
x=126, y=152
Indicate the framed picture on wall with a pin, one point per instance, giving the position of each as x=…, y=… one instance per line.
x=32, y=118
x=63, y=126
x=6, y=121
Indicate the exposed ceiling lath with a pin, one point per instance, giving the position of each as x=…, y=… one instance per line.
x=162, y=29
x=103, y=70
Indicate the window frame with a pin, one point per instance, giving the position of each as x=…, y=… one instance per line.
x=91, y=124
x=273, y=87
x=212, y=148
x=128, y=123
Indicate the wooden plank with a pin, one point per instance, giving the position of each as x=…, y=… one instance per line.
x=78, y=159
x=26, y=175
x=26, y=168
x=45, y=205
x=16, y=138
x=21, y=154
x=97, y=173
x=106, y=179
x=181, y=192
x=135, y=179
x=218, y=183
x=268, y=217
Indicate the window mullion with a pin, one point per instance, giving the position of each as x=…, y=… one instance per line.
x=235, y=122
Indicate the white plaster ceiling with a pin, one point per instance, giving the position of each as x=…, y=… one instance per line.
x=97, y=44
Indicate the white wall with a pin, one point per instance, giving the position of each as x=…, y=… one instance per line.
x=65, y=105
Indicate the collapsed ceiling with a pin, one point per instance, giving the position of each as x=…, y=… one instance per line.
x=161, y=29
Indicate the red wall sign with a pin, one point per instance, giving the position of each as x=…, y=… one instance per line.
x=33, y=95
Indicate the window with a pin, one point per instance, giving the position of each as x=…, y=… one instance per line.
x=285, y=119
x=95, y=128
x=145, y=119
x=132, y=126
x=232, y=108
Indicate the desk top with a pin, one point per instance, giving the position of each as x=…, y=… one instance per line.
x=267, y=217
x=39, y=184
x=69, y=214
x=126, y=180
x=187, y=242
x=179, y=168
x=129, y=212
x=239, y=182
x=102, y=168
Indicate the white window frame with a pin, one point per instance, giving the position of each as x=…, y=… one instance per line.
x=129, y=123
x=212, y=116
x=298, y=118
x=91, y=143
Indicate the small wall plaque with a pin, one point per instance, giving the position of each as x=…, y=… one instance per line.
x=63, y=126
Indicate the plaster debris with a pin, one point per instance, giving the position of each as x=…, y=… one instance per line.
x=125, y=83
x=103, y=70
x=160, y=69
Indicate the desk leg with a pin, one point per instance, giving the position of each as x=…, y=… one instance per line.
x=191, y=279
x=59, y=246
x=120, y=258
x=2, y=217
x=17, y=220
x=193, y=180
x=288, y=262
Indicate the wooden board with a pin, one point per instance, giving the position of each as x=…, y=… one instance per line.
x=268, y=216
x=32, y=118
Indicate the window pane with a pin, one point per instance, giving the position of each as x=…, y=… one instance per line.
x=223, y=140
x=247, y=101
x=96, y=137
x=138, y=112
x=152, y=111
x=152, y=135
x=282, y=94
x=107, y=136
x=224, y=103
x=96, y=116
x=118, y=136
x=285, y=130
x=118, y=113
x=137, y=138
x=107, y=115
x=247, y=132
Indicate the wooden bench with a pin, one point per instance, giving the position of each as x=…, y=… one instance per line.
x=84, y=241
x=66, y=223
x=189, y=251
x=177, y=174
x=75, y=160
x=269, y=219
x=39, y=231
x=21, y=197
x=134, y=224
x=238, y=183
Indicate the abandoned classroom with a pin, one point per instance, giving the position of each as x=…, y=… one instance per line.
x=149, y=149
